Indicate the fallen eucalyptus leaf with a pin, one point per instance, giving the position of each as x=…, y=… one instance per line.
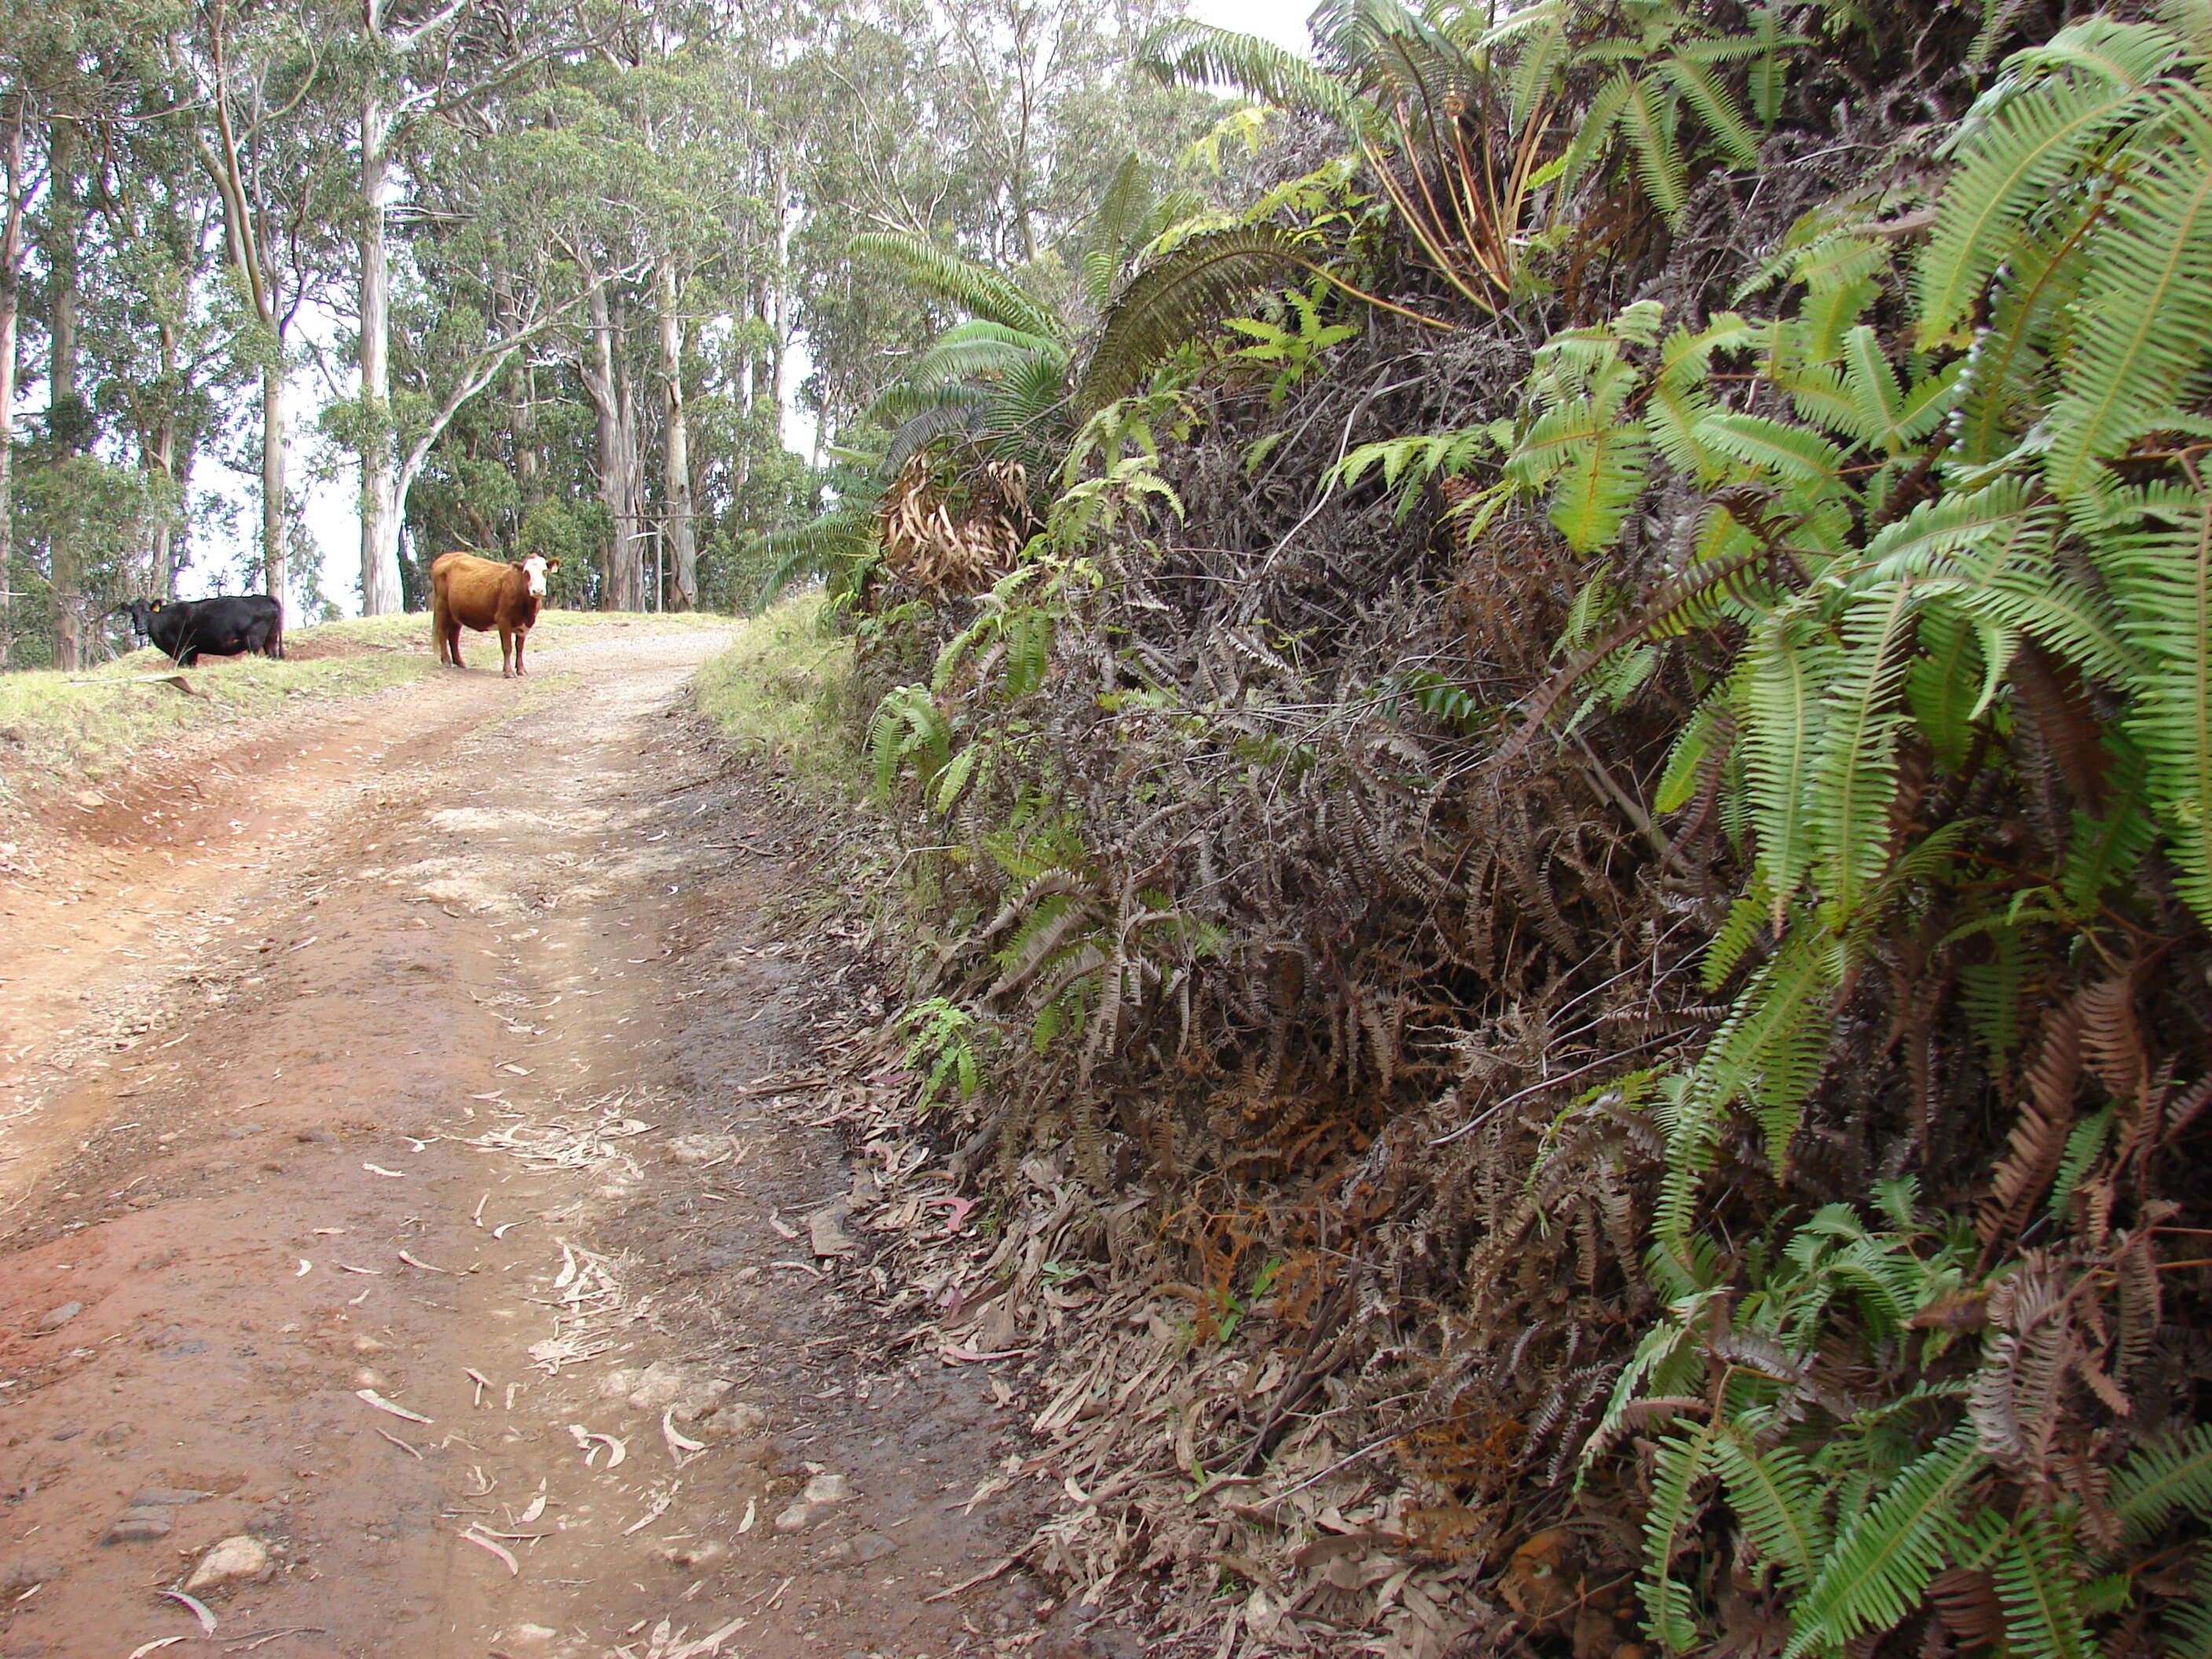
x=384, y=1405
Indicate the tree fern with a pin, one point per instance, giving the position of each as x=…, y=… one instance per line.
x=1190, y=53
x=975, y=287
x=982, y=347
x=1113, y=227
x=1195, y=284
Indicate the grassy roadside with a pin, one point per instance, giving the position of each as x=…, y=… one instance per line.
x=58, y=731
x=781, y=692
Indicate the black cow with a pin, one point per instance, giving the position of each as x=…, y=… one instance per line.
x=226, y=626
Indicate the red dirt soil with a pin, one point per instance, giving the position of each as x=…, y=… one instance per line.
x=397, y=1046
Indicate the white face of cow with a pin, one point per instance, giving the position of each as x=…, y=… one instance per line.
x=534, y=567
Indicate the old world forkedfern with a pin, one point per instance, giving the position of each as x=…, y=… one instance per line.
x=1948, y=534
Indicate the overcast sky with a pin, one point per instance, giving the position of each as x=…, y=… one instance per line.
x=1283, y=21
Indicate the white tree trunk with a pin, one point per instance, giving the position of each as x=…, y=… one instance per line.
x=680, y=543
x=272, y=478
x=620, y=476
x=160, y=460
x=379, y=495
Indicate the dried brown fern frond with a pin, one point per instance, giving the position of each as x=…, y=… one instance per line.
x=954, y=532
x=2039, y=1138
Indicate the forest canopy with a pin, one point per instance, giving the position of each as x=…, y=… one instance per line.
x=535, y=278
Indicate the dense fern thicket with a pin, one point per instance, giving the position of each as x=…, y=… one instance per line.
x=1588, y=828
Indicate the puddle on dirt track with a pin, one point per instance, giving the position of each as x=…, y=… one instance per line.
x=382, y=1195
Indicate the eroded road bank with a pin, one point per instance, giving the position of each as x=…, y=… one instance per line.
x=404, y=1184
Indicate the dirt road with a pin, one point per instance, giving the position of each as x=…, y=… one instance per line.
x=382, y=1189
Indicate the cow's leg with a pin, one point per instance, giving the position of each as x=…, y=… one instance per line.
x=450, y=644
x=521, y=639
x=510, y=659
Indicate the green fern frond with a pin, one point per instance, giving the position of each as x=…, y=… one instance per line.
x=2170, y=1475
x=1029, y=651
x=2160, y=583
x=1829, y=313
x=1684, y=774
x=1716, y=107
x=2037, y=1582
x=2106, y=848
x=1769, y=1050
x=1592, y=495
x=1941, y=687
x=2186, y=1632
x=1882, y=1562
x=1739, y=931
x=2145, y=328
x=1777, y=696
x=1854, y=776
x=907, y=726
x=1678, y=1464
x=1649, y=120
x=1779, y=1499
x=1990, y=994
x=2021, y=144
x=1792, y=453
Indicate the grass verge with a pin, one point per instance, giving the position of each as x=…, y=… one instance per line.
x=57, y=729
x=783, y=690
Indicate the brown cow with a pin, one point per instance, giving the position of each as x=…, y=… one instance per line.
x=486, y=593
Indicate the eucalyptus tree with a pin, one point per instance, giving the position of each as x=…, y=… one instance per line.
x=483, y=279
x=75, y=77
x=158, y=332
x=17, y=181
x=410, y=62
x=268, y=145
